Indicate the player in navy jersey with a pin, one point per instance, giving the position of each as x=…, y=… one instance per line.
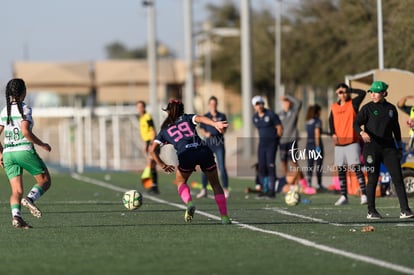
x=270, y=129
x=215, y=141
x=179, y=129
x=314, y=144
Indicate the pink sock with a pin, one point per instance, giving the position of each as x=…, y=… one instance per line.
x=221, y=203
x=303, y=182
x=184, y=192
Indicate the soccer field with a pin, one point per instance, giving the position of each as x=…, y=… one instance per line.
x=85, y=229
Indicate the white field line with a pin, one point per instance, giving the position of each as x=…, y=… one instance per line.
x=287, y=213
x=305, y=242
x=82, y=202
x=404, y=224
x=120, y=189
x=335, y=208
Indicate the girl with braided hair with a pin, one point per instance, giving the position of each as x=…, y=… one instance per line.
x=19, y=153
x=179, y=129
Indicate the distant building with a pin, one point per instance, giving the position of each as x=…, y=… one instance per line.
x=109, y=82
x=115, y=82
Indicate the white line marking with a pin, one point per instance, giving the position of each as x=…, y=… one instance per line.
x=81, y=202
x=287, y=213
x=404, y=224
x=305, y=242
x=120, y=189
x=336, y=208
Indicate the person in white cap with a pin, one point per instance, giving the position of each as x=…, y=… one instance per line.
x=270, y=130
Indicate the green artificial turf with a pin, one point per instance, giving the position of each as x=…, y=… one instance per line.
x=85, y=229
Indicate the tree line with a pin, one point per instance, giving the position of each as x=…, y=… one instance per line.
x=321, y=42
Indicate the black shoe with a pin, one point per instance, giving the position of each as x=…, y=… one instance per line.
x=271, y=194
x=406, y=214
x=373, y=215
x=18, y=222
x=261, y=195
x=154, y=190
x=267, y=195
x=321, y=189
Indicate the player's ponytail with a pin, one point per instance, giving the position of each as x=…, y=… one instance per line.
x=14, y=89
x=8, y=101
x=175, y=109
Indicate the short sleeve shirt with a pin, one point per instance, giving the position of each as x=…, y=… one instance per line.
x=146, y=127
x=14, y=139
x=266, y=125
x=216, y=138
x=311, y=125
x=181, y=134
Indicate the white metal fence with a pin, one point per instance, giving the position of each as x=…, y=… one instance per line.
x=107, y=137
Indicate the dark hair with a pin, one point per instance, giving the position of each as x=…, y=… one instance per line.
x=212, y=98
x=175, y=109
x=347, y=88
x=313, y=111
x=318, y=108
x=342, y=85
x=142, y=102
x=14, y=89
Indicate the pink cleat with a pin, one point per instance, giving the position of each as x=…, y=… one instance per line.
x=310, y=190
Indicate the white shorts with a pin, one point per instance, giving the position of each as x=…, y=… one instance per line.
x=347, y=154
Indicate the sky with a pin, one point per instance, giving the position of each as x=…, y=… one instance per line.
x=79, y=30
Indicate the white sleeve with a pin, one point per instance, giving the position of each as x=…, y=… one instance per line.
x=27, y=111
x=159, y=142
x=193, y=120
x=1, y=121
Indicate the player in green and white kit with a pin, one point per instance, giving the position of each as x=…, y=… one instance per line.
x=19, y=153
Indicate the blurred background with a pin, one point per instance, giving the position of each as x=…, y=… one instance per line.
x=86, y=63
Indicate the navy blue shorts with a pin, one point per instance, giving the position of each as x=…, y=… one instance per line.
x=190, y=158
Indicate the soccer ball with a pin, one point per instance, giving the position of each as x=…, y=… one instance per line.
x=132, y=199
x=292, y=198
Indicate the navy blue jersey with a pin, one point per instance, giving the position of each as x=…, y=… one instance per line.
x=311, y=125
x=266, y=125
x=216, y=138
x=182, y=134
x=406, y=109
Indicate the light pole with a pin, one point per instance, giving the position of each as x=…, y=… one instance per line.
x=380, y=37
x=247, y=78
x=152, y=58
x=188, y=96
x=278, y=59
